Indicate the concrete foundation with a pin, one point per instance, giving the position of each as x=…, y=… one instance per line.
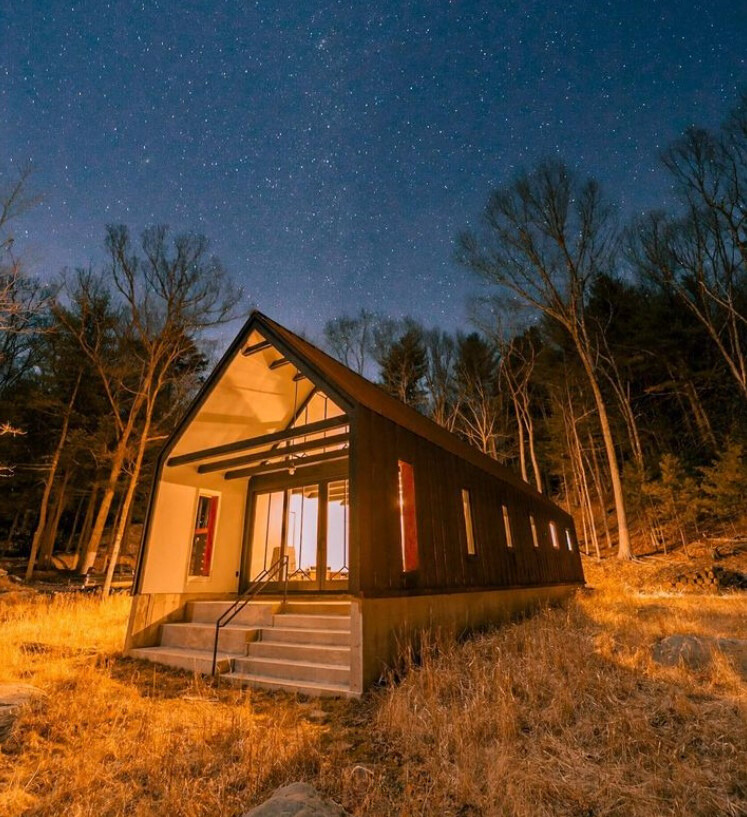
x=390, y=624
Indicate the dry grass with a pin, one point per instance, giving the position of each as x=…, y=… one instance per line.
x=561, y=714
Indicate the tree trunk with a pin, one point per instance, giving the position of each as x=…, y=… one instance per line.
x=46, y=551
x=74, y=526
x=85, y=531
x=41, y=523
x=623, y=550
x=127, y=502
x=522, y=445
x=533, y=452
x=12, y=530
x=701, y=418
x=91, y=549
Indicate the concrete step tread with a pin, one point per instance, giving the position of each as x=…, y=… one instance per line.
x=296, y=630
x=311, y=622
x=290, y=662
x=302, y=687
x=206, y=625
x=183, y=652
x=309, y=647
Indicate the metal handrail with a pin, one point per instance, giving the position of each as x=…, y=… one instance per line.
x=258, y=584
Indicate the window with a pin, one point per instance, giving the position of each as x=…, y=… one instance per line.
x=201, y=557
x=507, y=527
x=407, y=519
x=568, y=539
x=467, y=507
x=554, y=535
x=533, y=525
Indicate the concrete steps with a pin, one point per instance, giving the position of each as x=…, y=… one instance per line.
x=314, y=622
x=314, y=690
x=292, y=651
x=199, y=661
x=201, y=636
x=301, y=646
x=293, y=670
x=299, y=635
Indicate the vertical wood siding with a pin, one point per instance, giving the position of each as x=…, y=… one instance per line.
x=445, y=565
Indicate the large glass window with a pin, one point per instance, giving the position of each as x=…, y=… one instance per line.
x=407, y=518
x=201, y=556
x=467, y=508
x=267, y=534
x=301, y=539
x=338, y=507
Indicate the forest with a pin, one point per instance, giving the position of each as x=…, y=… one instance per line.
x=606, y=361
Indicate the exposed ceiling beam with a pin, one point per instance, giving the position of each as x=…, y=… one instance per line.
x=261, y=456
x=264, y=439
x=282, y=361
x=295, y=465
x=256, y=347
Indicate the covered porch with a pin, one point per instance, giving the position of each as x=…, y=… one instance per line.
x=259, y=475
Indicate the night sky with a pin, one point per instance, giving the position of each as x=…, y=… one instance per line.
x=331, y=151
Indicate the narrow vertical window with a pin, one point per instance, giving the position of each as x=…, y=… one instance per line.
x=533, y=525
x=467, y=507
x=568, y=539
x=554, y=536
x=407, y=520
x=201, y=557
x=507, y=526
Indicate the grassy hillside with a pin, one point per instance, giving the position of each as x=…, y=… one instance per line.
x=564, y=713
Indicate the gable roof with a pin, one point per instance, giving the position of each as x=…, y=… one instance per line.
x=357, y=390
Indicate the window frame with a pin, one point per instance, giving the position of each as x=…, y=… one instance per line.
x=469, y=526
x=535, y=532
x=408, y=520
x=507, y=527
x=569, y=539
x=214, y=497
x=554, y=536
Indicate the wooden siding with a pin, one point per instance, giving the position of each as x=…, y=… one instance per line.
x=445, y=565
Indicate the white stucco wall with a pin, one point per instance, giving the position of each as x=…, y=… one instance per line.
x=172, y=526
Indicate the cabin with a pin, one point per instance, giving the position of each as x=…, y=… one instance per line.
x=303, y=525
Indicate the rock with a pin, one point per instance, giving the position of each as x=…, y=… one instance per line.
x=3, y=572
x=13, y=697
x=297, y=800
x=692, y=651
x=696, y=652
x=361, y=777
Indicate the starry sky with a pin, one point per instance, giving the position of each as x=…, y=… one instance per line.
x=331, y=151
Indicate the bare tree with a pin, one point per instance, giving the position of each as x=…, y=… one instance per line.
x=545, y=238
x=702, y=255
x=351, y=339
x=166, y=296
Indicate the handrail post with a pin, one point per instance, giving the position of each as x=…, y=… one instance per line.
x=228, y=615
x=215, y=648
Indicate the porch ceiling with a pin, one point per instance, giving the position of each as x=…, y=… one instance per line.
x=250, y=399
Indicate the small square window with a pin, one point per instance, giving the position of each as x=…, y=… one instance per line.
x=533, y=525
x=507, y=527
x=554, y=536
x=467, y=508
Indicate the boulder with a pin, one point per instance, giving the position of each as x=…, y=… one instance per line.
x=297, y=800
x=13, y=697
x=695, y=652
